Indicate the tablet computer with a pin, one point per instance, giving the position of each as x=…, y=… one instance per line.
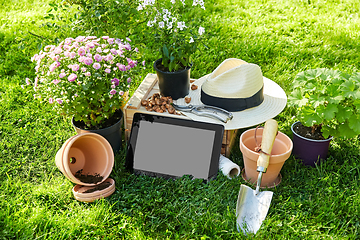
x=173, y=147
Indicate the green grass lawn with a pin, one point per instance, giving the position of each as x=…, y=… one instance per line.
x=283, y=37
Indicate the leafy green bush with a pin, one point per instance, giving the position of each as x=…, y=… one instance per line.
x=329, y=98
x=111, y=17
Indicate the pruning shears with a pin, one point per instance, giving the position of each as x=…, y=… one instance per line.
x=207, y=111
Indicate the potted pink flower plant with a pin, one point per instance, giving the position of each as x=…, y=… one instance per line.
x=86, y=78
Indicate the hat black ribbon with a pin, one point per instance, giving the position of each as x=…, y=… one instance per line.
x=234, y=104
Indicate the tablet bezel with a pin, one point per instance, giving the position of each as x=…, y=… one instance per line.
x=131, y=146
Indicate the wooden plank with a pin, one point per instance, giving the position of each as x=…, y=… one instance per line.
x=143, y=90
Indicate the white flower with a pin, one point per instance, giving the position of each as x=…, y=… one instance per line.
x=181, y=25
x=199, y=2
x=191, y=40
x=173, y=1
x=161, y=24
x=150, y=24
x=139, y=8
x=201, y=31
x=169, y=25
x=165, y=11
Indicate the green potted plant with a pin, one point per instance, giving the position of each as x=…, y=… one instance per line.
x=327, y=104
x=86, y=78
x=177, y=41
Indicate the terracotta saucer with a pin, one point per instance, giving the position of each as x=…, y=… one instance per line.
x=92, y=193
x=275, y=184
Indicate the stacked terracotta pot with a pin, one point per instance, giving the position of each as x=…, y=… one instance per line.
x=87, y=159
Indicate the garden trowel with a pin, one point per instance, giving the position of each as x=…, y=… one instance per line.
x=253, y=205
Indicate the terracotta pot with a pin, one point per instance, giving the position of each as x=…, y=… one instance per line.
x=89, y=194
x=310, y=151
x=112, y=134
x=280, y=153
x=173, y=84
x=89, y=152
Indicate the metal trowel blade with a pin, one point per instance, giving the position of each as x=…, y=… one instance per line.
x=251, y=209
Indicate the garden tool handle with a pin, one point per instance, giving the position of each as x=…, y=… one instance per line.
x=267, y=143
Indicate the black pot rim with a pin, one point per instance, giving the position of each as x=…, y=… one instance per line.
x=101, y=129
x=160, y=59
x=308, y=139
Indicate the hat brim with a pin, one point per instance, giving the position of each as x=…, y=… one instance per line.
x=274, y=102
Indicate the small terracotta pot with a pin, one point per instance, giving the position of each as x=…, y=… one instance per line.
x=280, y=153
x=81, y=194
x=89, y=152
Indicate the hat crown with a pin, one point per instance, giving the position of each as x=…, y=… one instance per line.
x=234, y=78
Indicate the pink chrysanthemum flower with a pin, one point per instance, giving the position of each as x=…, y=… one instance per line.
x=61, y=75
x=96, y=66
x=88, y=61
x=75, y=67
x=98, y=57
x=81, y=51
x=72, y=77
x=111, y=40
x=121, y=67
x=72, y=55
x=55, y=81
x=115, y=81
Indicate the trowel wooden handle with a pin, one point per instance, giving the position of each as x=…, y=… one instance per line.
x=267, y=143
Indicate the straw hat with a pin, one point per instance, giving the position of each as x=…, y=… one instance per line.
x=239, y=87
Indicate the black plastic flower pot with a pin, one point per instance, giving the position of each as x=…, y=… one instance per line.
x=173, y=84
x=310, y=151
x=112, y=134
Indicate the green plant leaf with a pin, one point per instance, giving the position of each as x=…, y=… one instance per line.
x=296, y=98
x=329, y=111
x=348, y=88
x=316, y=100
x=346, y=131
x=299, y=80
x=328, y=131
x=165, y=51
x=357, y=104
x=354, y=124
x=343, y=113
x=313, y=73
x=309, y=117
x=310, y=87
x=336, y=100
x=356, y=78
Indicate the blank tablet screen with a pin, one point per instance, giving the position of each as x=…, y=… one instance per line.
x=173, y=147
